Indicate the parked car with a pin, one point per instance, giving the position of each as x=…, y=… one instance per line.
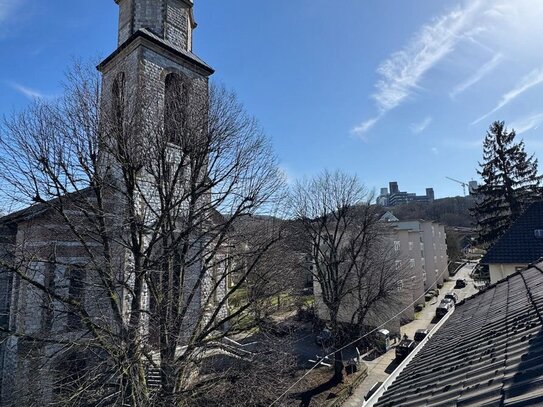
x=404, y=348
x=443, y=308
x=448, y=301
x=460, y=283
x=324, y=338
x=453, y=296
x=420, y=335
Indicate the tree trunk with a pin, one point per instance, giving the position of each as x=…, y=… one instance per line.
x=338, y=366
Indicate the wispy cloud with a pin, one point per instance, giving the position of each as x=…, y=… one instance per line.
x=363, y=127
x=7, y=7
x=417, y=128
x=534, y=78
x=401, y=73
x=29, y=92
x=477, y=76
x=11, y=13
x=527, y=123
x=435, y=150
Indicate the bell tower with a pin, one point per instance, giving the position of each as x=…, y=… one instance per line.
x=152, y=67
x=171, y=20
x=154, y=47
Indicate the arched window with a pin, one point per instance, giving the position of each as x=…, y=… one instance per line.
x=70, y=374
x=175, y=108
x=117, y=103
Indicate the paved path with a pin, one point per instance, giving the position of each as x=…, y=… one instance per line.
x=380, y=368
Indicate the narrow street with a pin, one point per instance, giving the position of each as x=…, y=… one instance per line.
x=380, y=368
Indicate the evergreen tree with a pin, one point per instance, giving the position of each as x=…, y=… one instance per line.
x=510, y=182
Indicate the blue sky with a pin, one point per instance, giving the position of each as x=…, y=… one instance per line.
x=391, y=90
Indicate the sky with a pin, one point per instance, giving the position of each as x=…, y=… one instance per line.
x=390, y=90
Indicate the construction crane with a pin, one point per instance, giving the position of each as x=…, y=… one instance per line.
x=464, y=185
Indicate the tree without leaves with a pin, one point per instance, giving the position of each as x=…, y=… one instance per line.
x=278, y=273
x=354, y=268
x=141, y=201
x=510, y=182
x=257, y=383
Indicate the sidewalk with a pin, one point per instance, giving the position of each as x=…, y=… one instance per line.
x=380, y=368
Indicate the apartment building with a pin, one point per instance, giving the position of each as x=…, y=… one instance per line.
x=422, y=244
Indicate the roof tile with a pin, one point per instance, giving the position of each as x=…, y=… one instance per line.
x=488, y=353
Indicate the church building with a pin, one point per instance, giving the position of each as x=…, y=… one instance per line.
x=54, y=288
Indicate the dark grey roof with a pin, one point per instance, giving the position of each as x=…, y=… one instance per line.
x=519, y=244
x=38, y=209
x=23, y=214
x=147, y=34
x=488, y=353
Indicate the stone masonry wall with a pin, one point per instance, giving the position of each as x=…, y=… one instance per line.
x=169, y=19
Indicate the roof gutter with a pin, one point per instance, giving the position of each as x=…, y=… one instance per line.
x=372, y=401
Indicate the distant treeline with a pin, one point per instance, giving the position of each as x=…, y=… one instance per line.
x=448, y=211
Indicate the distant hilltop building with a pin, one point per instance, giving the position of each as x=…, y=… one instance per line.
x=472, y=186
x=396, y=197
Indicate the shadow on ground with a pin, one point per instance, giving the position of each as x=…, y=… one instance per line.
x=392, y=366
x=306, y=396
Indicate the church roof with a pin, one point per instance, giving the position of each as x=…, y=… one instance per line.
x=24, y=214
x=40, y=208
x=489, y=351
x=147, y=34
x=519, y=244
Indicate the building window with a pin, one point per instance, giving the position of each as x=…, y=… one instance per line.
x=118, y=103
x=189, y=34
x=396, y=245
x=412, y=263
x=70, y=374
x=538, y=233
x=399, y=285
x=410, y=246
x=49, y=303
x=175, y=108
x=76, y=286
x=398, y=264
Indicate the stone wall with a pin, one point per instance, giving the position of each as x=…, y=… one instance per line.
x=169, y=19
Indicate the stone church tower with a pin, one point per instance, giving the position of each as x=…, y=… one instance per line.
x=154, y=53
x=153, y=61
x=154, y=65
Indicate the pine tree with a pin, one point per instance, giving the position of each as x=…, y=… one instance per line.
x=510, y=182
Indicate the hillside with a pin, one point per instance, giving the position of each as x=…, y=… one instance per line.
x=448, y=211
